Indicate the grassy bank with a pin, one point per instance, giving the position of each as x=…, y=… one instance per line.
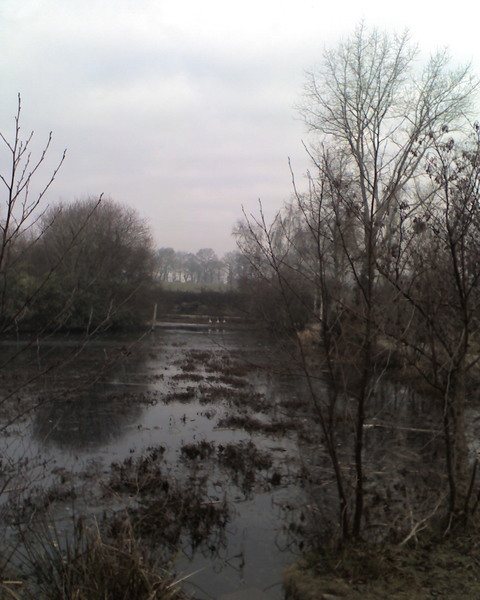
x=431, y=567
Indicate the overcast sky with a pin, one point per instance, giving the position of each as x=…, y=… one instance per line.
x=185, y=109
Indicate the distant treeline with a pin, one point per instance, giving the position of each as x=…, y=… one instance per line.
x=91, y=265
x=202, y=302
x=203, y=268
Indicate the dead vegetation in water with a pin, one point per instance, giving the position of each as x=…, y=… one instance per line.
x=231, y=380
x=251, y=400
x=228, y=366
x=192, y=360
x=187, y=377
x=23, y=509
x=126, y=399
x=184, y=395
x=224, y=363
x=188, y=366
x=141, y=475
x=201, y=356
x=212, y=394
x=165, y=509
x=244, y=461
x=242, y=398
x=254, y=425
x=198, y=451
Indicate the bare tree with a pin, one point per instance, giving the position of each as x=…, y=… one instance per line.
x=438, y=276
x=21, y=210
x=376, y=119
x=370, y=108
x=25, y=224
x=368, y=102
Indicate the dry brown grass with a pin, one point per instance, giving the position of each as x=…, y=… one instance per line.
x=87, y=566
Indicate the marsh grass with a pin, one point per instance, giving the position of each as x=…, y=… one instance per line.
x=185, y=396
x=85, y=565
x=167, y=512
x=197, y=450
x=253, y=425
x=433, y=566
x=244, y=461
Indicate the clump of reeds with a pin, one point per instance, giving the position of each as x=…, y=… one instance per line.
x=165, y=509
x=244, y=460
x=88, y=566
x=197, y=450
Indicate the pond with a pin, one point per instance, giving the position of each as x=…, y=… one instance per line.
x=205, y=409
x=179, y=389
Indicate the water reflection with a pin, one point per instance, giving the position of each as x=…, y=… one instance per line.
x=124, y=412
x=81, y=405
x=88, y=419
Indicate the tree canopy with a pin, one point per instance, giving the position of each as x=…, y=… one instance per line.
x=96, y=258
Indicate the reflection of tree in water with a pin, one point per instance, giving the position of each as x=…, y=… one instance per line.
x=89, y=416
x=87, y=419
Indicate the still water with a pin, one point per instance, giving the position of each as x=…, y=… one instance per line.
x=181, y=386
x=122, y=396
